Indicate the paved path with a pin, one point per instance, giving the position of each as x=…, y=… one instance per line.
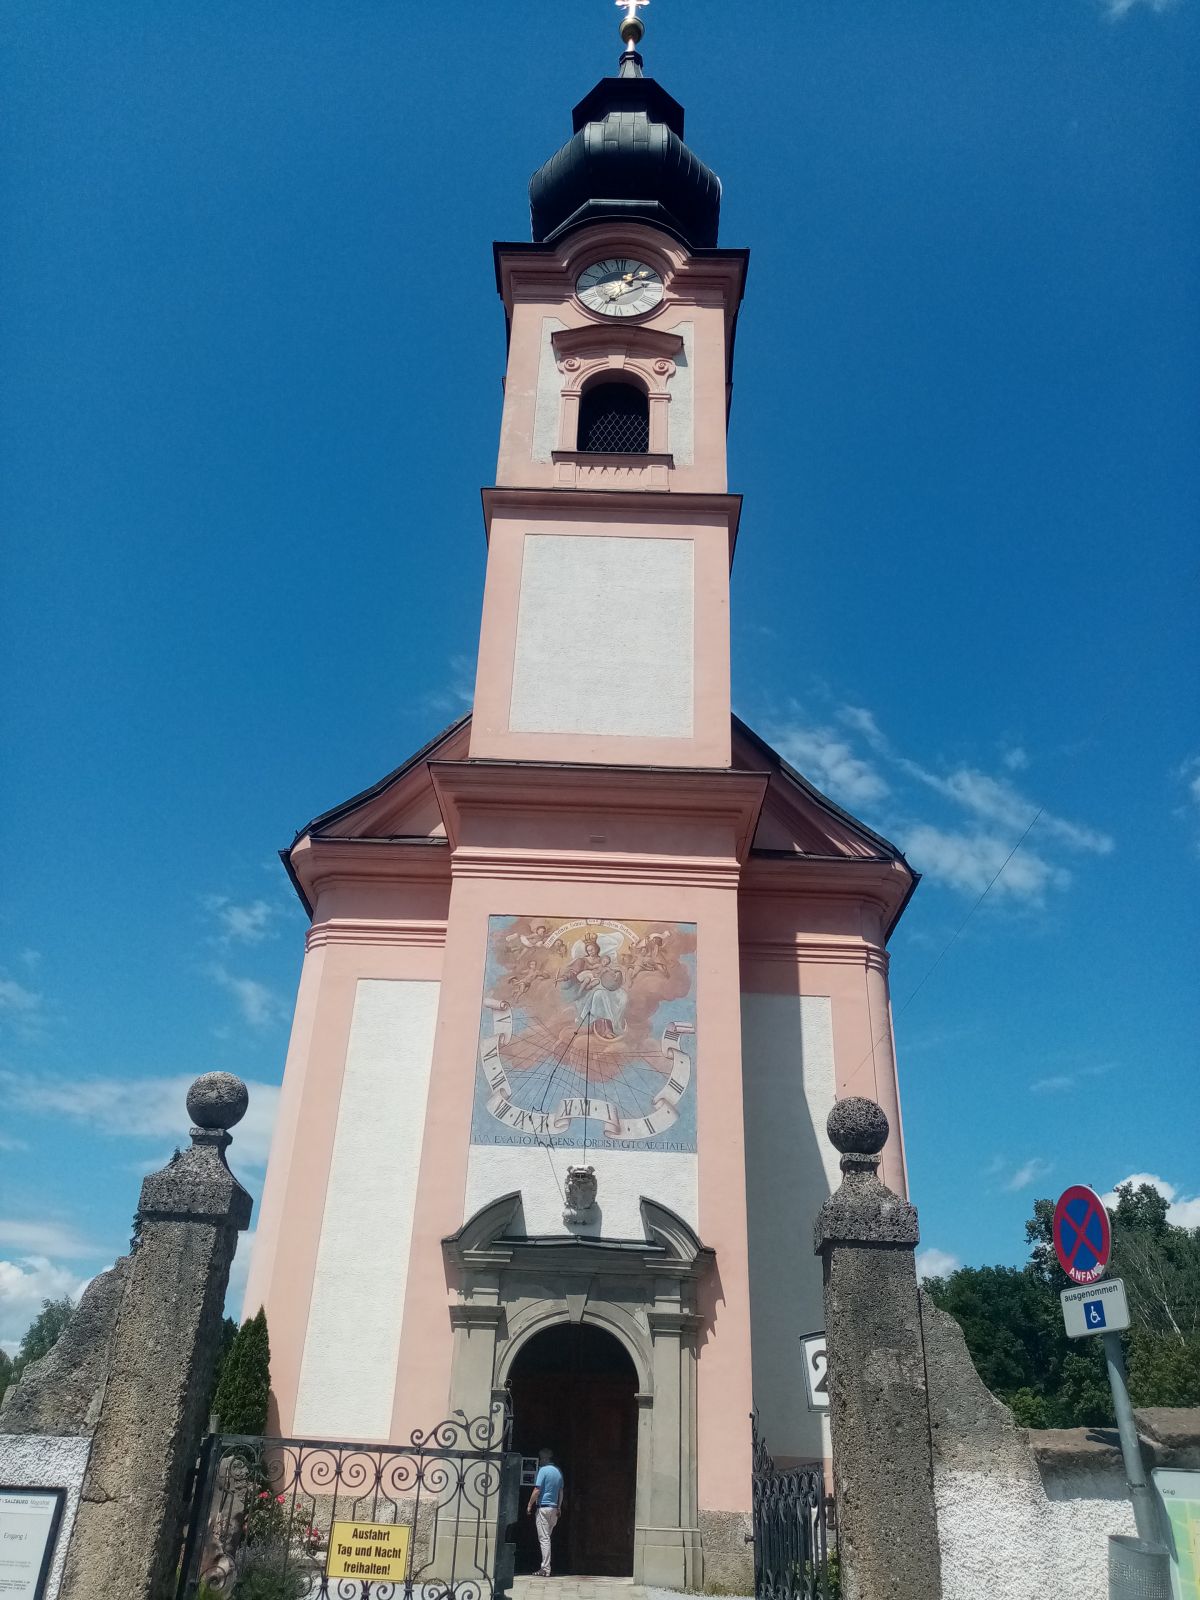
x=573, y=1588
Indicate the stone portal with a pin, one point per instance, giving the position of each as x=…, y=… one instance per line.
x=574, y=1390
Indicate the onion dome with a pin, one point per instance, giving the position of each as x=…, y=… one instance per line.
x=626, y=160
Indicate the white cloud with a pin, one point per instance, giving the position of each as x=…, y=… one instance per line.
x=1182, y=1212
x=42, y=1238
x=24, y=1284
x=141, y=1108
x=1057, y=1083
x=858, y=765
x=260, y=1006
x=933, y=1263
x=1028, y=1172
x=456, y=696
x=17, y=999
x=998, y=801
x=1116, y=9
x=969, y=861
x=236, y=1292
x=1190, y=773
x=242, y=924
x=864, y=723
x=823, y=756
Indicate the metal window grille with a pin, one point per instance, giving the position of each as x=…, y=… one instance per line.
x=614, y=418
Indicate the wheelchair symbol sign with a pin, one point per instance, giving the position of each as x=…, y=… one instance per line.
x=1100, y=1308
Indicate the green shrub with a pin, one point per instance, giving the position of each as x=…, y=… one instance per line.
x=244, y=1391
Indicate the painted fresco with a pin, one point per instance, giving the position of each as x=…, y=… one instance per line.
x=587, y=1036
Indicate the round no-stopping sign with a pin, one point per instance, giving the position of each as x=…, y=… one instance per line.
x=1082, y=1234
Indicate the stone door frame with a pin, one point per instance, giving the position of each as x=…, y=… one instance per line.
x=509, y=1287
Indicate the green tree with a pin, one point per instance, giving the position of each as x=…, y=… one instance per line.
x=1012, y=1321
x=6, y=1368
x=1159, y=1262
x=244, y=1389
x=42, y=1333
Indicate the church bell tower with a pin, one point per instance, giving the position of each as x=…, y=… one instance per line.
x=585, y=975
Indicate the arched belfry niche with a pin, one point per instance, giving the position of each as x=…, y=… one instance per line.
x=509, y=1287
x=644, y=358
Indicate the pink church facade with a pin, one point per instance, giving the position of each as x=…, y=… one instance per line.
x=586, y=974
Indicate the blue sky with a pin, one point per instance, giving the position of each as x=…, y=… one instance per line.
x=251, y=387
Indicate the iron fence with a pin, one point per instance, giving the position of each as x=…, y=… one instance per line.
x=311, y=1519
x=791, y=1555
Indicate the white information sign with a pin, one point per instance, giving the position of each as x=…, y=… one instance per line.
x=28, y=1524
x=1180, y=1493
x=1095, y=1308
x=816, y=1374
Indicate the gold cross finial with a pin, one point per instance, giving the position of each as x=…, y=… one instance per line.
x=632, y=26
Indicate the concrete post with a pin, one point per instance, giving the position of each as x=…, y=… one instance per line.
x=878, y=1404
x=126, y=1539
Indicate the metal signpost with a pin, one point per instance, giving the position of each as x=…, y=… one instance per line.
x=1083, y=1242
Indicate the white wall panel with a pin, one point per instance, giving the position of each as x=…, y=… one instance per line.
x=604, y=637
x=788, y=1072
x=348, y=1372
x=622, y=1178
x=548, y=401
x=681, y=419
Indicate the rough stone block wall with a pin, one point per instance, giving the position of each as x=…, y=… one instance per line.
x=47, y=1418
x=1026, y=1514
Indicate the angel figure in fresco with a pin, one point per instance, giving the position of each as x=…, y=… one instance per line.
x=649, y=955
x=595, y=985
x=535, y=953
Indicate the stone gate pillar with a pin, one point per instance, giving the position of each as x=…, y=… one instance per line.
x=878, y=1403
x=162, y=1361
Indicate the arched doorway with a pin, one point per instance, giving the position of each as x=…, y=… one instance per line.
x=574, y=1391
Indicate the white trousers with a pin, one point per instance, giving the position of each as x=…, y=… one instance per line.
x=545, y=1517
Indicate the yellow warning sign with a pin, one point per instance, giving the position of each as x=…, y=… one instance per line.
x=372, y=1550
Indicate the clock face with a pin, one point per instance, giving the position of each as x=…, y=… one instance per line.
x=619, y=287
x=587, y=1038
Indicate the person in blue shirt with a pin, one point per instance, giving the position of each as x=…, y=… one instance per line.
x=546, y=1505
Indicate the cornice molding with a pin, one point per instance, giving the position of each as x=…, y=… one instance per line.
x=533, y=866
x=828, y=952
x=875, y=881
x=469, y=789
x=318, y=863
x=525, y=271
x=615, y=504
x=345, y=930
x=473, y=1314
x=605, y=338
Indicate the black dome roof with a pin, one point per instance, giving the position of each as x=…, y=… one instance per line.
x=627, y=159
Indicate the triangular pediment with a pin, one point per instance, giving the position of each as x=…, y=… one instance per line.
x=403, y=805
x=796, y=818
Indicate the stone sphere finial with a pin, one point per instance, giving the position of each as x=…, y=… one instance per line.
x=857, y=1127
x=217, y=1100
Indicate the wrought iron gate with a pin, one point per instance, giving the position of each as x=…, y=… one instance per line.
x=437, y=1510
x=791, y=1557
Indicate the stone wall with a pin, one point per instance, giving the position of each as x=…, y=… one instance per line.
x=61, y=1393
x=1024, y=1514
x=46, y=1420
